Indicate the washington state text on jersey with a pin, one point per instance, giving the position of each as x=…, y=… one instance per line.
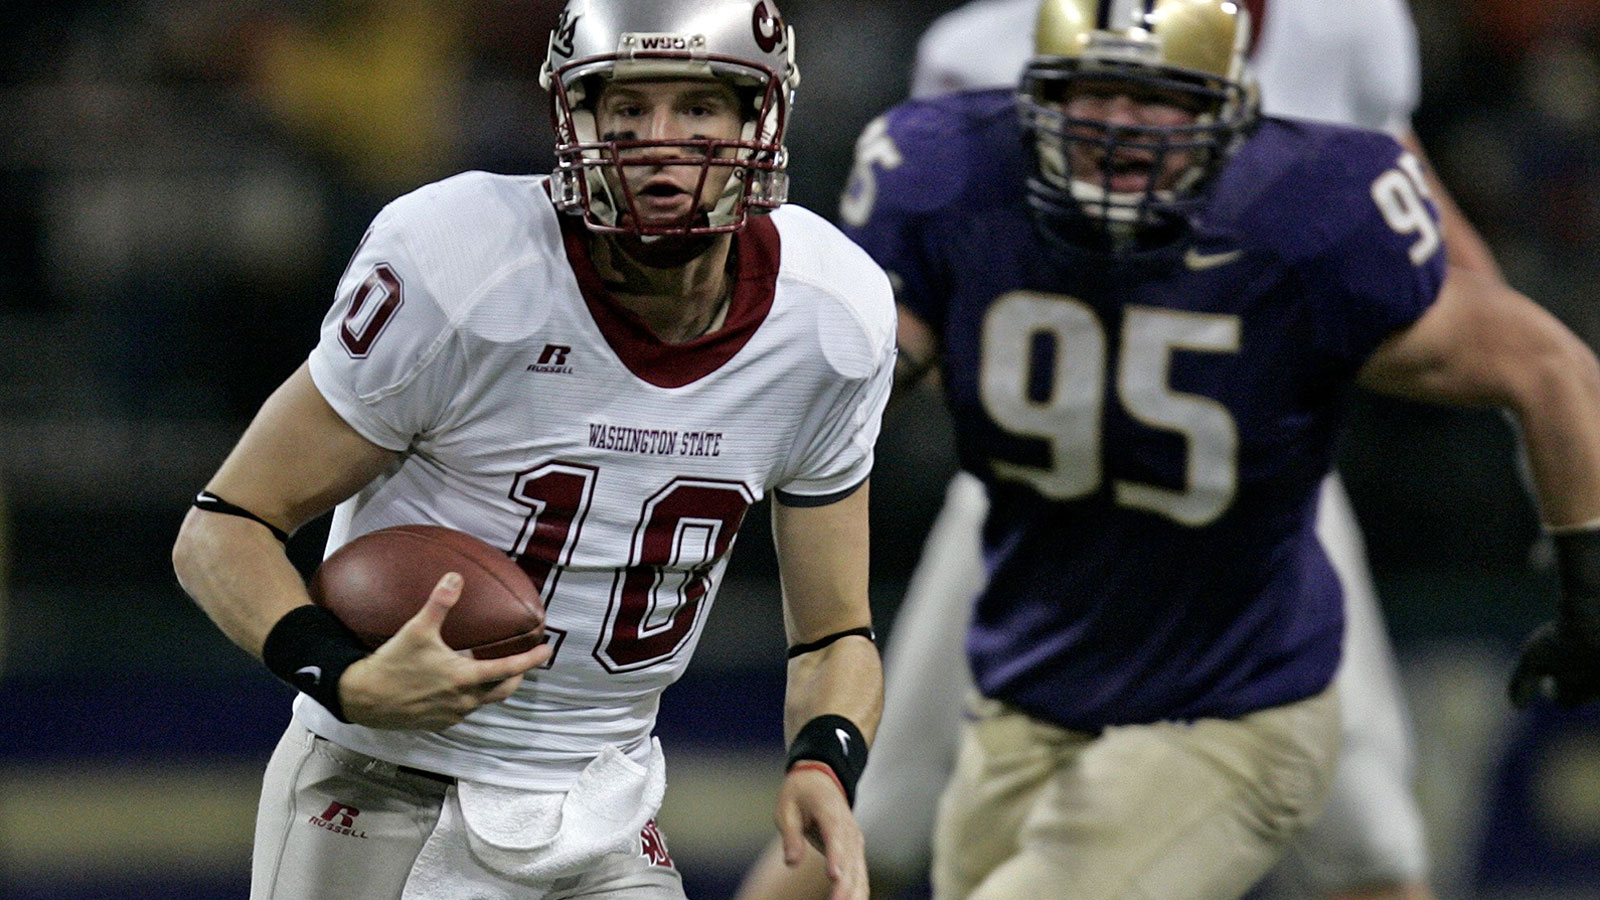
x=654, y=441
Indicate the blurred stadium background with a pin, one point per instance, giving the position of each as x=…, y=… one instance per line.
x=181, y=183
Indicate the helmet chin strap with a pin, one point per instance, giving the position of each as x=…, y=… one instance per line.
x=663, y=251
x=1114, y=207
x=1123, y=213
x=1118, y=210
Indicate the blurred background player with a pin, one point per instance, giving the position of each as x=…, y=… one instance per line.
x=5, y=570
x=1115, y=570
x=1350, y=63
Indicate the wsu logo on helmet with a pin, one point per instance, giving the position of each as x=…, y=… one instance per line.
x=768, y=27
x=566, y=29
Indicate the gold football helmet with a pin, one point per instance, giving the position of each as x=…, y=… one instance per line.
x=1187, y=53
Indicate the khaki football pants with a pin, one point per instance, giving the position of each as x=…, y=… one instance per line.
x=1168, y=811
x=335, y=824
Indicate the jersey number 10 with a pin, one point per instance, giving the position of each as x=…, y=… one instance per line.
x=657, y=602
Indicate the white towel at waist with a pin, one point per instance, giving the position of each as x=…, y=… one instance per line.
x=500, y=843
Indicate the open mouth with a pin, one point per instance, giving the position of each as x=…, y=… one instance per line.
x=659, y=197
x=1127, y=164
x=1120, y=171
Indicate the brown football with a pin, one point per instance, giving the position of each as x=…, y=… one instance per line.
x=378, y=581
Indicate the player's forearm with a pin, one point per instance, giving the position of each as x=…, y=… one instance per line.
x=1558, y=406
x=1483, y=344
x=844, y=678
x=833, y=667
x=238, y=573
x=831, y=711
x=1559, y=409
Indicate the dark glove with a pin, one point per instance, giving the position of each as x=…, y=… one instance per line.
x=1560, y=661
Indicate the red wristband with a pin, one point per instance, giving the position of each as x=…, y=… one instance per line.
x=822, y=767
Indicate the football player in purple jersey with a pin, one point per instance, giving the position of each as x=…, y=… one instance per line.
x=1352, y=63
x=1149, y=305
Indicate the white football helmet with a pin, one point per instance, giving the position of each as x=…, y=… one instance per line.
x=1190, y=49
x=743, y=42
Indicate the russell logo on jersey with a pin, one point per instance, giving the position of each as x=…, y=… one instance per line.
x=552, y=360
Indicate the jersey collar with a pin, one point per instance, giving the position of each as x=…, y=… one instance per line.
x=675, y=365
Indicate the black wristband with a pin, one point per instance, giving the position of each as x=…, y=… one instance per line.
x=1578, y=564
x=310, y=648
x=837, y=743
x=809, y=646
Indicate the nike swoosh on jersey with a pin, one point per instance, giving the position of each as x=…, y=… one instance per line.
x=844, y=739
x=1198, y=261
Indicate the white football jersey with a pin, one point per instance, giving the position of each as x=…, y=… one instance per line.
x=1351, y=61
x=471, y=333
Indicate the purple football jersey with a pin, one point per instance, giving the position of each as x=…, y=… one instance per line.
x=1153, y=426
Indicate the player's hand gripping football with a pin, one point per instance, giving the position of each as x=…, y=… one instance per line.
x=414, y=680
x=812, y=809
x=1561, y=659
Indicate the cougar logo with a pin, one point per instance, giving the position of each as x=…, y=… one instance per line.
x=768, y=27
x=653, y=846
x=566, y=29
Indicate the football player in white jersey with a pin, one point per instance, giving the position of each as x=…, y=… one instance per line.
x=600, y=372
x=1352, y=63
